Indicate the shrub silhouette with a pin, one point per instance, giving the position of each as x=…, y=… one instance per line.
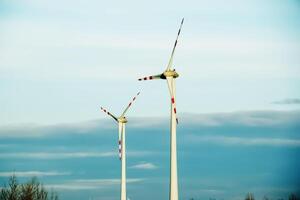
x=32, y=190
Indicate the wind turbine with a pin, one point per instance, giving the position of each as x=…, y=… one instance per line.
x=122, y=145
x=170, y=75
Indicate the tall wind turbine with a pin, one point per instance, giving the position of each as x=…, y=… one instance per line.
x=122, y=145
x=170, y=75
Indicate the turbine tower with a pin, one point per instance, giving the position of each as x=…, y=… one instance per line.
x=170, y=75
x=122, y=145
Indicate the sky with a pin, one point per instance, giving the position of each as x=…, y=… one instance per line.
x=238, y=95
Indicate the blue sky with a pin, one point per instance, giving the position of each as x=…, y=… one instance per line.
x=237, y=94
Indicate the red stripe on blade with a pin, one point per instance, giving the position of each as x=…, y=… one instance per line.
x=173, y=100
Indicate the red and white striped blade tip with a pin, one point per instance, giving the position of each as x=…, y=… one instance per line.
x=146, y=78
x=152, y=77
x=103, y=109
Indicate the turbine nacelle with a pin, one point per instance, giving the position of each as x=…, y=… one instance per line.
x=122, y=120
x=169, y=73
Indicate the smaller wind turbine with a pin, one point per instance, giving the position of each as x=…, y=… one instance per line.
x=122, y=147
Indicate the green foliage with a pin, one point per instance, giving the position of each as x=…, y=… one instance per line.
x=31, y=190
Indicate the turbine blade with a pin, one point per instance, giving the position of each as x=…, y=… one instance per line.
x=150, y=77
x=172, y=54
x=120, y=140
x=104, y=110
x=134, y=98
x=171, y=86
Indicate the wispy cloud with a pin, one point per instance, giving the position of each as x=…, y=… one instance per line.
x=65, y=155
x=35, y=130
x=89, y=184
x=33, y=173
x=224, y=140
x=56, y=155
x=288, y=101
x=144, y=166
x=244, y=118
x=241, y=118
